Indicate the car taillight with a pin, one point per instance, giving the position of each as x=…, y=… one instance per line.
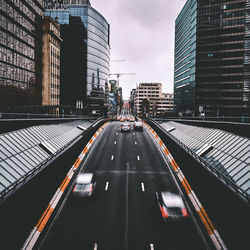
x=184, y=212
x=164, y=212
x=74, y=189
x=91, y=188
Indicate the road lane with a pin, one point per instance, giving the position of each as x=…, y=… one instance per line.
x=124, y=216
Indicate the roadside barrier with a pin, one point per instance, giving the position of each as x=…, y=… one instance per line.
x=213, y=233
x=36, y=231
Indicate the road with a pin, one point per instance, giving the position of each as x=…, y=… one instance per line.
x=124, y=213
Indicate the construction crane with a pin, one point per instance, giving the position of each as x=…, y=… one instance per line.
x=121, y=74
x=119, y=60
x=118, y=77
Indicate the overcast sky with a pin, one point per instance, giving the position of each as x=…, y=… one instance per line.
x=142, y=33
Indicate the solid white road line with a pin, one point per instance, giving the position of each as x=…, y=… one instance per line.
x=115, y=142
x=151, y=247
x=112, y=157
x=135, y=142
x=142, y=187
x=95, y=246
x=107, y=186
x=138, y=157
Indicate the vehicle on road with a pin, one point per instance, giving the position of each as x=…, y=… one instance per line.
x=85, y=185
x=172, y=206
x=125, y=127
x=138, y=125
x=122, y=119
x=132, y=119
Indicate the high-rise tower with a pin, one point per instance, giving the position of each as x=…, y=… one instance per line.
x=98, y=48
x=212, y=43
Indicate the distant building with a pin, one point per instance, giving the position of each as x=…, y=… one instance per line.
x=73, y=66
x=132, y=101
x=212, y=65
x=20, y=53
x=98, y=47
x=113, y=97
x=159, y=102
x=51, y=64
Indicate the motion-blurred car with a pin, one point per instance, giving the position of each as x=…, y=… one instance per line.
x=138, y=126
x=125, y=127
x=85, y=185
x=122, y=119
x=172, y=206
x=132, y=119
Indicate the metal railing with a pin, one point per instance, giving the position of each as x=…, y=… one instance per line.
x=229, y=183
x=243, y=119
x=4, y=115
x=26, y=177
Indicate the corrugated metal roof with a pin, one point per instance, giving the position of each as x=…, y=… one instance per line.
x=24, y=151
x=228, y=153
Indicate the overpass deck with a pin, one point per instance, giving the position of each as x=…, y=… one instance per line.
x=25, y=152
x=225, y=154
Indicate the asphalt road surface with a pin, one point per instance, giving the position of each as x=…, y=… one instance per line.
x=124, y=213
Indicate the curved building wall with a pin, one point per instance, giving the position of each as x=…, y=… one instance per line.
x=98, y=48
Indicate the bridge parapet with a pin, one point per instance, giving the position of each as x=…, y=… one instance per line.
x=223, y=154
x=24, y=153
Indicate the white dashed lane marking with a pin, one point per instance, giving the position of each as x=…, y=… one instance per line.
x=135, y=142
x=151, y=247
x=142, y=187
x=112, y=157
x=115, y=142
x=95, y=246
x=107, y=186
x=117, y=133
x=138, y=157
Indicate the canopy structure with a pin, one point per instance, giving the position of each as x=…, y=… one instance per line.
x=226, y=153
x=23, y=153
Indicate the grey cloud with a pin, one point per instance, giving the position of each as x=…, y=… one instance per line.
x=142, y=32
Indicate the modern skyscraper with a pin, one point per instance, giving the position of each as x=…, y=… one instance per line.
x=20, y=53
x=73, y=65
x=98, y=48
x=212, y=49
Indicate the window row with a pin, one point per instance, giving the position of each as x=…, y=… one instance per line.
x=16, y=31
x=13, y=14
x=15, y=59
x=16, y=45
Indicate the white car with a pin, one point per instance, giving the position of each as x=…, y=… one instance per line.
x=125, y=127
x=85, y=185
x=172, y=206
x=138, y=126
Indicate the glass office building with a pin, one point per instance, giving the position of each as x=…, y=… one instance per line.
x=98, y=48
x=185, y=56
x=20, y=53
x=220, y=79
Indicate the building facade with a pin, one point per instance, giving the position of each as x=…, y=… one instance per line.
x=73, y=66
x=98, y=45
x=51, y=64
x=158, y=102
x=20, y=53
x=212, y=69
x=132, y=101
